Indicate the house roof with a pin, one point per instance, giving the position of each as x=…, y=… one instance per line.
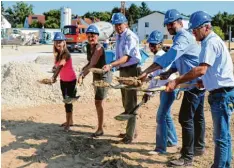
x=163, y=13
x=39, y=18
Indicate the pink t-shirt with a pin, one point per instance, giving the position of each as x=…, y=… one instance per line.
x=67, y=73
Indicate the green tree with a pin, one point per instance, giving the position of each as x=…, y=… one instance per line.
x=103, y=16
x=144, y=10
x=17, y=14
x=218, y=31
x=36, y=24
x=224, y=20
x=2, y=9
x=133, y=14
x=52, y=18
x=115, y=10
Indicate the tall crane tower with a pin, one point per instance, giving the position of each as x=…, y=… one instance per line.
x=122, y=9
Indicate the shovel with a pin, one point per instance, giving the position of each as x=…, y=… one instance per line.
x=133, y=112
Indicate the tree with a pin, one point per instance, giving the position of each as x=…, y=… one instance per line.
x=52, y=18
x=103, y=16
x=2, y=9
x=134, y=14
x=36, y=24
x=144, y=10
x=218, y=31
x=18, y=13
x=224, y=20
x=115, y=10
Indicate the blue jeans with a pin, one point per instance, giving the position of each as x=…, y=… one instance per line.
x=191, y=118
x=165, y=132
x=222, y=106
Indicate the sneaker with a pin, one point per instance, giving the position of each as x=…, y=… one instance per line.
x=199, y=152
x=181, y=162
x=154, y=153
x=70, y=100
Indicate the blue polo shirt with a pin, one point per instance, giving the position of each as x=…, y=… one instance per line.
x=184, y=54
x=215, y=53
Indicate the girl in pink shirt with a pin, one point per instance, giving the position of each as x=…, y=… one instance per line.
x=63, y=65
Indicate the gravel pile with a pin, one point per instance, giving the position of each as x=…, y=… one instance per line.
x=21, y=89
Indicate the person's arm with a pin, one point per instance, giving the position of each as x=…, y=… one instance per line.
x=130, y=50
x=153, y=67
x=192, y=74
x=58, y=69
x=167, y=74
x=180, y=46
x=94, y=60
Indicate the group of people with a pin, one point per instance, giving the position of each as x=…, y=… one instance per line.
x=205, y=66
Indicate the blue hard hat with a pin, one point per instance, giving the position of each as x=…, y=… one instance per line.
x=59, y=36
x=118, y=18
x=155, y=37
x=199, y=18
x=92, y=29
x=171, y=16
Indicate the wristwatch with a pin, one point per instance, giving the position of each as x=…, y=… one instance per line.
x=110, y=65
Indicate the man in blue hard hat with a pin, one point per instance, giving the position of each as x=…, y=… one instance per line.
x=128, y=56
x=216, y=70
x=184, y=54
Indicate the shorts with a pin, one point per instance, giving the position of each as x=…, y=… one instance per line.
x=101, y=93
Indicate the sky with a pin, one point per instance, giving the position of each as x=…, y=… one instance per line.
x=81, y=7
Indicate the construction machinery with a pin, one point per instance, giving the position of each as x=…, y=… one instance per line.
x=76, y=38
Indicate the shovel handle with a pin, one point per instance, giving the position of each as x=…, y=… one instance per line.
x=162, y=88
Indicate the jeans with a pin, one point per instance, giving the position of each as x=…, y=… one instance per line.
x=191, y=118
x=222, y=105
x=165, y=132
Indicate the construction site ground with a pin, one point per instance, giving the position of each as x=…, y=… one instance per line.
x=32, y=138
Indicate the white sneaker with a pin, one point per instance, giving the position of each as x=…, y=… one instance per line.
x=153, y=153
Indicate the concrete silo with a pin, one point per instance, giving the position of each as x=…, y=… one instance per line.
x=65, y=14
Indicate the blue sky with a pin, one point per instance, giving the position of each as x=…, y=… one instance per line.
x=81, y=7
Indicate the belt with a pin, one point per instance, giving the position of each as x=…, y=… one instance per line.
x=127, y=67
x=221, y=90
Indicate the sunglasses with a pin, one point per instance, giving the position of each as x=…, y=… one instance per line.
x=152, y=45
x=91, y=35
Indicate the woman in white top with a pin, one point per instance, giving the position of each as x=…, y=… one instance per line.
x=165, y=132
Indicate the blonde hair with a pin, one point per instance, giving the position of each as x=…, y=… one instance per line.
x=57, y=55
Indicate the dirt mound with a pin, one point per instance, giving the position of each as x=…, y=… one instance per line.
x=20, y=86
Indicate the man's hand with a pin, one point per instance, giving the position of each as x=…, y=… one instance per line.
x=107, y=67
x=170, y=86
x=200, y=84
x=164, y=75
x=145, y=98
x=142, y=77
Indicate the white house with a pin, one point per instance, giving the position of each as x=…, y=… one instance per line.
x=4, y=23
x=152, y=22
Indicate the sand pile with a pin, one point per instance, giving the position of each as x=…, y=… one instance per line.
x=20, y=87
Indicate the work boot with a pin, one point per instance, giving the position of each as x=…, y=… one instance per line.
x=199, y=152
x=181, y=162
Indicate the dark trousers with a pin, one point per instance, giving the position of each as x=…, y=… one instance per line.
x=129, y=97
x=191, y=118
x=68, y=89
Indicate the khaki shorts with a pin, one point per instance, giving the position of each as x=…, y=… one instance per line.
x=101, y=93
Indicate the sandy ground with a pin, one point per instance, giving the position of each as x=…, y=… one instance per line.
x=31, y=137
